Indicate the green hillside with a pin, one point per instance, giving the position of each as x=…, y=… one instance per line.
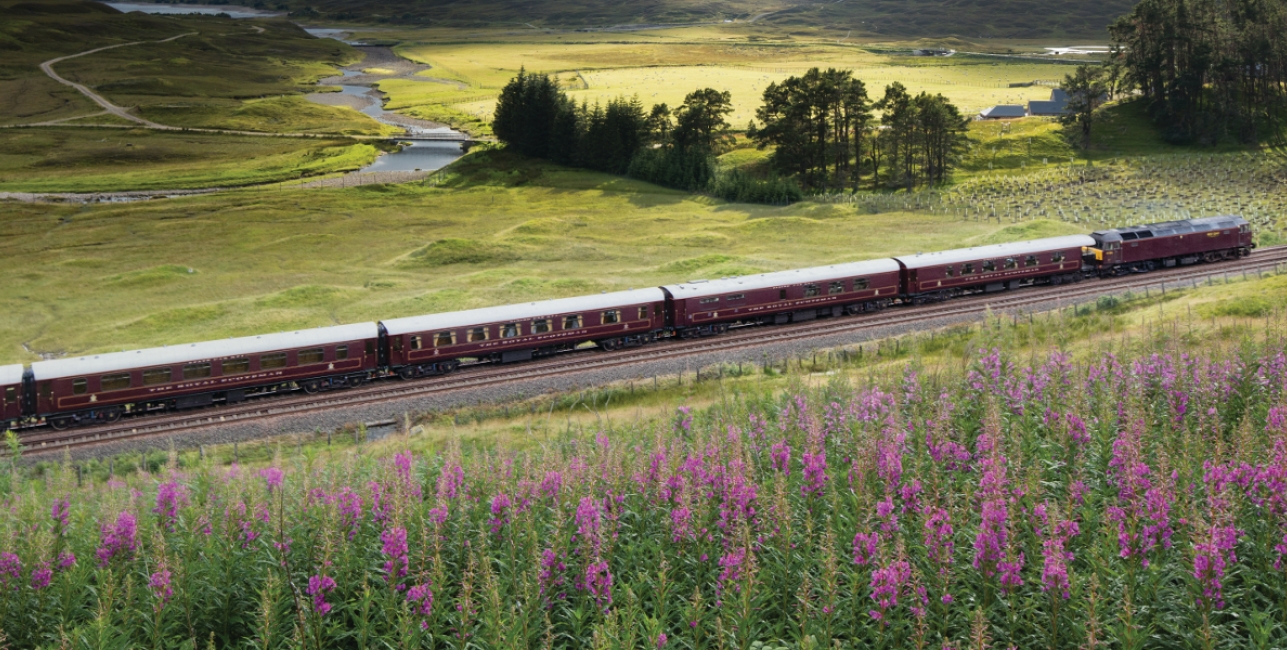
x=931, y=18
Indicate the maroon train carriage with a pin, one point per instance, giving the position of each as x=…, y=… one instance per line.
x=702, y=308
x=930, y=277
x=1145, y=248
x=104, y=387
x=10, y=396
x=436, y=343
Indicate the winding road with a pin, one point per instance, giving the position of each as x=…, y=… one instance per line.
x=48, y=68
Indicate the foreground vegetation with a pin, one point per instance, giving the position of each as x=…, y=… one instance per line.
x=990, y=492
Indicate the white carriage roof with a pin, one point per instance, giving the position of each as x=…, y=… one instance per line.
x=523, y=311
x=174, y=354
x=995, y=251
x=701, y=289
x=10, y=375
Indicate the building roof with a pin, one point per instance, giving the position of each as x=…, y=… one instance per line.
x=188, y=352
x=995, y=251
x=11, y=375
x=1059, y=95
x=1004, y=110
x=524, y=311
x=703, y=288
x=1047, y=108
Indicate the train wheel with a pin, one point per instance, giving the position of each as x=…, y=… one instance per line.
x=448, y=368
x=311, y=386
x=62, y=423
x=112, y=415
x=609, y=345
x=356, y=380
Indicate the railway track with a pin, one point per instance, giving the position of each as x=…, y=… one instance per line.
x=483, y=375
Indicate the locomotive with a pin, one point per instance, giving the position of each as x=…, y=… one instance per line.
x=104, y=388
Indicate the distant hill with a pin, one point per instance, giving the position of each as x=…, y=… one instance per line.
x=902, y=18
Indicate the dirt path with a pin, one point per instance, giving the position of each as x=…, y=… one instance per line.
x=48, y=68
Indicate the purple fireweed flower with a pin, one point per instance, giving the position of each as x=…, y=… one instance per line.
x=886, y=582
x=662, y=640
x=159, y=583
x=551, y=485
x=41, y=576
x=1010, y=570
x=61, y=513
x=681, y=525
x=780, y=452
x=552, y=569
x=1212, y=557
x=990, y=543
x=118, y=539
x=272, y=477
x=318, y=587
x=350, y=507
x=421, y=599
x=169, y=498
x=730, y=568
x=10, y=568
x=450, y=481
x=500, y=511
x=684, y=419
x=865, y=545
x=598, y=581
x=1282, y=552
x=395, y=548
x=589, y=520
x=815, y=474
x=66, y=560
x=938, y=539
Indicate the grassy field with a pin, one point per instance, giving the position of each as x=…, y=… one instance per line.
x=52, y=159
x=217, y=77
x=92, y=278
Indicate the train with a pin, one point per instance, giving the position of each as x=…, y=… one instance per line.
x=104, y=388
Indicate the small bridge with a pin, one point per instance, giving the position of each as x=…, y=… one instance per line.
x=437, y=137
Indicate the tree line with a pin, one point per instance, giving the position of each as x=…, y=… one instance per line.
x=822, y=128
x=1208, y=69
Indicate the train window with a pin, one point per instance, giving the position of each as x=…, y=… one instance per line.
x=967, y=269
x=541, y=326
x=1030, y=260
x=707, y=301
x=417, y=342
x=80, y=386
x=510, y=330
x=162, y=375
x=47, y=390
x=643, y=313
x=478, y=334
x=1058, y=257
x=1144, y=234
x=861, y=283
x=370, y=348
x=274, y=360
x=1128, y=236
x=836, y=287
x=11, y=395
x=572, y=322
x=341, y=352
x=117, y=381
x=782, y=294
x=1244, y=228
x=989, y=266
x=1011, y=263
x=736, y=296
x=444, y=339
x=236, y=366
x=810, y=290
x=196, y=370
x=611, y=316
x=314, y=355
x=949, y=271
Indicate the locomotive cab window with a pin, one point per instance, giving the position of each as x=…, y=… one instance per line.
x=236, y=366
x=80, y=386
x=1030, y=260
x=810, y=290
x=162, y=375
x=1058, y=257
x=1011, y=263
x=478, y=334
x=863, y=283
x=417, y=343
x=314, y=355
x=836, y=287
x=510, y=330
x=196, y=370
x=989, y=266
x=341, y=352
x=275, y=360
x=541, y=326
x=572, y=322
x=444, y=339
x=611, y=316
